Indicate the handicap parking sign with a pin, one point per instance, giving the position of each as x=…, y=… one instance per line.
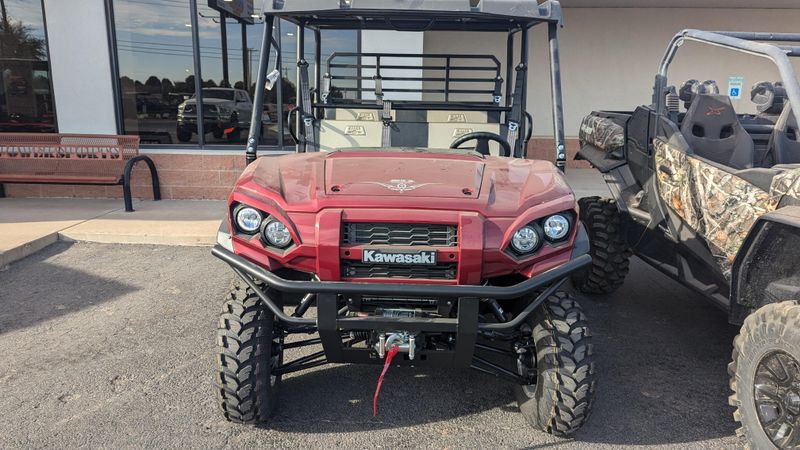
x=735, y=84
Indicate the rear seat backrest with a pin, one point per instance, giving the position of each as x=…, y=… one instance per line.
x=338, y=134
x=458, y=117
x=363, y=128
x=360, y=115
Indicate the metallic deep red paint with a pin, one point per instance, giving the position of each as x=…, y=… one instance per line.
x=488, y=198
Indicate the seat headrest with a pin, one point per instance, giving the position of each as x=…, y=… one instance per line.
x=692, y=88
x=711, y=116
x=769, y=97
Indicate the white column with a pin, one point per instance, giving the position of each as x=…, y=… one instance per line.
x=80, y=66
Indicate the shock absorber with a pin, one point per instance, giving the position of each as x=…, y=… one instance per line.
x=360, y=335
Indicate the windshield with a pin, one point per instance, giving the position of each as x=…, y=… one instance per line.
x=224, y=94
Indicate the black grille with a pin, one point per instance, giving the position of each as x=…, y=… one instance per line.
x=357, y=269
x=409, y=234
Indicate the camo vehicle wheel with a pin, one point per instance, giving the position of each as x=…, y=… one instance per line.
x=247, y=352
x=559, y=363
x=765, y=377
x=610, y=253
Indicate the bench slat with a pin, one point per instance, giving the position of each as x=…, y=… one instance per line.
x=59, y=179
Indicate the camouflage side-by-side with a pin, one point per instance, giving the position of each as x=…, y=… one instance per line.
x=716, y=204
x=602, y=133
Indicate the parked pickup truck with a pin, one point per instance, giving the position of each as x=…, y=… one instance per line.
x=226, y=112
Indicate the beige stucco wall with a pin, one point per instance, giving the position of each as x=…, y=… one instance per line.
x=610, y=56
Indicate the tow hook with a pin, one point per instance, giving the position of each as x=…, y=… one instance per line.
x=405, y=343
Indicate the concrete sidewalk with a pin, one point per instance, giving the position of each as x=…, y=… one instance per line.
x=28, y=225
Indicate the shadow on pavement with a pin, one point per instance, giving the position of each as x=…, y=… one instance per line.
x=43, y=289
x=339, y=398
x=661, y=355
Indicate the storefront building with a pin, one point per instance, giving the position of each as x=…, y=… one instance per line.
x=135, y=67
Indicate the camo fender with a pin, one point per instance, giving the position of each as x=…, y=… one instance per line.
x=786, y=183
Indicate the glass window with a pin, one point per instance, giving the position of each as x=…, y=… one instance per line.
x=156, y=70
x=26, y=95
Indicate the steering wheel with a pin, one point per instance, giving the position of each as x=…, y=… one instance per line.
x=483, y=138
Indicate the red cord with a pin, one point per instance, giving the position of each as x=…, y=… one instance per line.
x=389, y=357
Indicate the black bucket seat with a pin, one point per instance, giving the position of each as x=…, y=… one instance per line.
x=712, y=130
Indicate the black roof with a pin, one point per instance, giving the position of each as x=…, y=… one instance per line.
x=416, y=15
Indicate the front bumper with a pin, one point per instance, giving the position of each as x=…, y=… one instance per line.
x=466, y=326
x=250, y=271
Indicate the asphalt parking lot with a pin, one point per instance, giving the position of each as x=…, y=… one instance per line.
x=111, y=346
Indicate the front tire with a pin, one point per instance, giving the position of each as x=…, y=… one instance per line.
x=609, y=251
x=561, y=363
x=765, y=377
x=247, y=352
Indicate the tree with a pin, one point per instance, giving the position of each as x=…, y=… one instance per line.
x=153, y=84
x=16, y=41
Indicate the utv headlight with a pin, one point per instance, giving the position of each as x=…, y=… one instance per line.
x=525, y=240
x=276, y=233
x=556, y=227
x=248, y=219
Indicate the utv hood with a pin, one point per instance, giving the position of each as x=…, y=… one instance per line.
x=405, y=179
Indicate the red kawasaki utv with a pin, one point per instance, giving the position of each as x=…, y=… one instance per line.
x=414, y=248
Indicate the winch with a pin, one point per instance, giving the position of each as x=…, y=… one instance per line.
x=405, y=343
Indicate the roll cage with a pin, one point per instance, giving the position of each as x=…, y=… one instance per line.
x=753, y=43
x=509, y=16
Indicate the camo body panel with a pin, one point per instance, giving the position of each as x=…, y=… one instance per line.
x=718, y=205
x=786, y=183
x=602, y=133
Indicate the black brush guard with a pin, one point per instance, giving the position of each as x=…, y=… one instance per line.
x=330, y=322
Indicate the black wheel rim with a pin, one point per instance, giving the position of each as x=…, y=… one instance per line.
x=776, y=390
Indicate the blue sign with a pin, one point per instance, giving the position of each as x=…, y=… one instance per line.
x=735, y=84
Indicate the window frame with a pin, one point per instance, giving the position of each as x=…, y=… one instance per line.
x=49, y=70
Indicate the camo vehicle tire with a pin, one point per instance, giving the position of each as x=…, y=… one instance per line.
x=561, y=363
x=608, y=249
x=247, y=352
x=765, y=377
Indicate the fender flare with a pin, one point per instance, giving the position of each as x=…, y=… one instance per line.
x=754, y=284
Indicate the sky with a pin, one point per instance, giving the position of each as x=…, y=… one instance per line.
x=29, y=12
x=154, y=38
